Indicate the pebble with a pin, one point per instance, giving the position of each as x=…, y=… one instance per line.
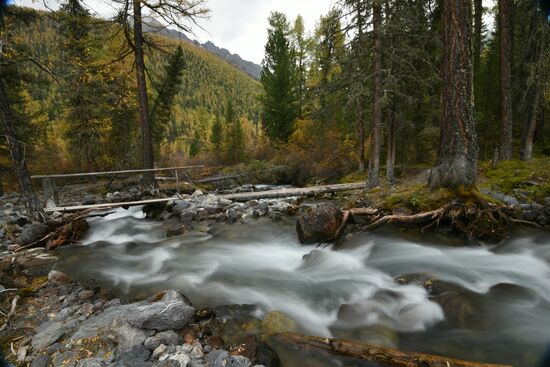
x=86, y=294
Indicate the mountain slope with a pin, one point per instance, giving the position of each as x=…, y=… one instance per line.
x=248, y=67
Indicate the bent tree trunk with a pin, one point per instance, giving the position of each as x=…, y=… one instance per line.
x=529, y=136
x=457, y=159
x=374, y=159
x=504, y=9
x=17, y=153
x=148, y=160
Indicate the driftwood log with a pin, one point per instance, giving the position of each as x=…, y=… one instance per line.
x=376, y=354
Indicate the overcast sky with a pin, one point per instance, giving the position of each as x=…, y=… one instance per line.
x=238, y=25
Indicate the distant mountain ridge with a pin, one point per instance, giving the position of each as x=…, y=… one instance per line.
x=248, y=67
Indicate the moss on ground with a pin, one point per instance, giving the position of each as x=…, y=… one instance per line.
x=530, y=179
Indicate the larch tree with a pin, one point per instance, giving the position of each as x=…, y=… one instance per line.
x=171, y=13
x=12, y=55
x=300, y=44
x=278, y=78
x=506, y=127
x=457, y=158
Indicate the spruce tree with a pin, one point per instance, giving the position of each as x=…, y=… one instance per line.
x=216, y=137
x=280, y=99
x=170, y=86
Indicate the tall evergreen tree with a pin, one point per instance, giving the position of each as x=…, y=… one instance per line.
x=280, y=99
x=504, y=9
x=216, y=137
x=169, y=86
x=82, y=86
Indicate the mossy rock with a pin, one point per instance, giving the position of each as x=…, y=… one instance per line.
x=278, y=322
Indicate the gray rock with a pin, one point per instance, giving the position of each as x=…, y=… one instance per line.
x=161, y=316
x=506, y=199
x=94, y=325
x=130, y=343
x=236, y=361
x=158, y=351
x=216, y=357
x=42, y=360
x=33, y=232
x=66, y=359
x=167, y=363
x=49, y=335
x=86, y=294
x=90, y=362
x=165, y=337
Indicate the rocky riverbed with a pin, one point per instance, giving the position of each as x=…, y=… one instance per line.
x=48, y=320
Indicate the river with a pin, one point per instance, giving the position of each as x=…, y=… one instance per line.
x=507, y=287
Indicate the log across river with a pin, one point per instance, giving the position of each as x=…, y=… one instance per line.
x=436, y=296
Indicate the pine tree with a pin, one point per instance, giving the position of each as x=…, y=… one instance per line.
x=82, y=86
x=169, y=86
x=216, y=137
x=280, y=99
x=195, y=146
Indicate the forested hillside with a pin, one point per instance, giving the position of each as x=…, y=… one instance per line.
x=56, y=136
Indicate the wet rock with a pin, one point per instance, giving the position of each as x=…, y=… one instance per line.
x=177, y=231
x=266, y=356
x=33, y=232
x=216, y=358
x=42, y=360
x=165, y=337
x=58, y=277
x=278, y=322
x=170, y=313
x=351, y=313
x=214, y=342
x=319, y=224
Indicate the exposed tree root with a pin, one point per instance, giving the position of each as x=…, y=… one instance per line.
x=372, y=353
x=471, y=215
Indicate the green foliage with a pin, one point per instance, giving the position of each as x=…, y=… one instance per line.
x=234, y=139
x=169, y=86
x=280, y=99
x=216, y=136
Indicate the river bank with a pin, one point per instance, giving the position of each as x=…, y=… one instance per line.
x=49, y=311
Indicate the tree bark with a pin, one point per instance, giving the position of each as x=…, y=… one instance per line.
x=374, y=159
x=361, y=136
x=148, y=159
x=527, y=146
x=504, y=8
x=17, y=153
x=1, y=186
x=391, y=145
x=458, y=149
x=478, y=24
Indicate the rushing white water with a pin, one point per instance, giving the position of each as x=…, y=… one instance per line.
x=263, y=264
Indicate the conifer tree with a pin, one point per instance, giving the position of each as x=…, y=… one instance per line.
x=216, y=137
x=280, y=100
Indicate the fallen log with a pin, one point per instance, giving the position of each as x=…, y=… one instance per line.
x=376, y=354
x=241, y=197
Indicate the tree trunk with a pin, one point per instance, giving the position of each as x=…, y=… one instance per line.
x=17, y=152
x=527, y=146
x=374, y=161
x=361, y=136
x=505, y=81
x=478, y=24
x=391, y=148
x=457, y=159
x=148, y=160
x=1, y=186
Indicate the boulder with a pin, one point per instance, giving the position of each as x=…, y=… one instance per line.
x=33, y=232
x=58, y=277
x=51, y=333
x=278, y=322
x=172, y=312
x=319, y=224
